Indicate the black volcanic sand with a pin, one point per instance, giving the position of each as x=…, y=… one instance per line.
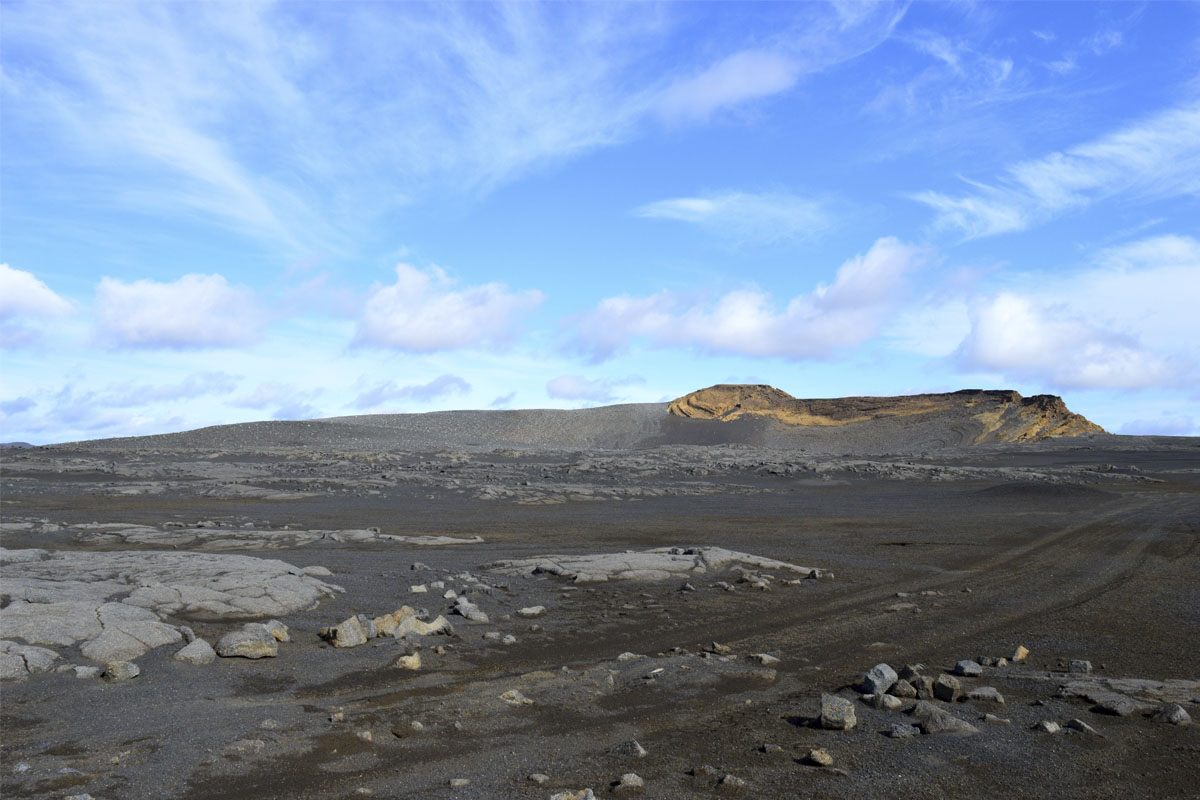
x=1082, y=550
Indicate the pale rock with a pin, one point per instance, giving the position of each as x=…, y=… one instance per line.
x=531, y=612
x=540, y=778
x=251, y=641
x=409, y=662
x=278, y=630
x=514, y=698
x=837, y=713
x=459, y=783
x=87, y=672
x=121, y=671
x=630, y=782
x=1082, y=727
x=1173, y=713
x=1020, y=654
x=349, y=633
x=766, y=659
x=820, y=757
x=1047, y=726
x=992, y=719
x=198, y=652
x=903, y=689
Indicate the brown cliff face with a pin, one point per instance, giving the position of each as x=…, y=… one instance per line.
x=996, y=416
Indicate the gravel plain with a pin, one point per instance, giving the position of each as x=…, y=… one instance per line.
x=697, y=672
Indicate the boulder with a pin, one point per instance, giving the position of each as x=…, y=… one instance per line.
x=970, y=669
x=198, y=652
x=409, y=662
x=253, y=640
x=1020, y=654
x=1172, y=713
x=986, y=694
x=903, y=689
x=837, y=713
x=19, y=661
x=1047, y=726
x=934, y=719
x=879, y=679
x=947, y=688
x=349, y=633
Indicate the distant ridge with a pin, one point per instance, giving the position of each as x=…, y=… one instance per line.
x=1001, y=415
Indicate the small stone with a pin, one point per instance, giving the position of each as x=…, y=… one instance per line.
x=278, y=630
x=439, y=585
x=87, y=672
x=837, y=713
x=903, y=688
x=970, y=669
x=885, y=702
x=986, y=694
x=1021, y=653
x=579, y=794
x=509, y=640
x=947, y=688
x=1172, y=713
x=198, y=652
x=514, y=698
x=531, y=612
x=718, y=649
x=630, y=782
x=1079, y=666
x=270, y=724
x=879, y=679
x=1047, y=726
x=910, y=672
x=417, y=725
x=337, y=716
x=540, y=778
x=766, y=659
x=450, y=595
x=627, y=656
x=459, y=783
x=631, y=748
x=687, y=587
x=419, y=589
x=820, y=757
x=992, y=719
x=409, y=662
x=121, y=671
x=770, y=748
x=363, y=791
x=901, y=731
x=1001, y=662
x=732, y=783
x=366, y=736
x=1082, y=727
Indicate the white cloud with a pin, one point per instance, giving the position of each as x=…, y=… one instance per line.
x=197, y=384
x=441, y=386
x=24, y=303
x=195, y=311
x=1015, y=335
x=421, y=312
x=743, y=216
x=1158, y=156
x=576, y=387
x=289, y=402
x=748, y=322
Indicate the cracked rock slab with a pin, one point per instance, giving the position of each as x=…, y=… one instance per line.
x=647, y=565
x=114, y=603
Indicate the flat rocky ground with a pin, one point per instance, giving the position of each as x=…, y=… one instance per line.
x=701, y=671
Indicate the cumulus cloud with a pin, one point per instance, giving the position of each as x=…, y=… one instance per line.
x=24, y=302
x=1015, y=335
x=576, y=387
x=749, y=322
x=1155, y=157
x=441, y=386
x=742, y=216
x=196, y=311
x=423, y=312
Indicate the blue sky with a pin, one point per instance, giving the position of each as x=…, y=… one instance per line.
x=219, y=212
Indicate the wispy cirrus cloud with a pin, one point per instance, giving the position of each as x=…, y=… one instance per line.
x=745, y=217
x=439, y=387
x=599, y=390
x=1154, y=157
x=195, y=311
x=424, y=311
x=845, y=313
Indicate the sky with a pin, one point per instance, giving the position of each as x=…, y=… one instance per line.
x=223, y=212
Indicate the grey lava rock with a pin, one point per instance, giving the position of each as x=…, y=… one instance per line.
x=986, y=694
x=879, y=679
x=1079, y=667
x=934, y=719
x=970, y=669
x=903, y=689
x=947, y=688
x=1172, y=713
x=121, y=671
x=901, y=731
